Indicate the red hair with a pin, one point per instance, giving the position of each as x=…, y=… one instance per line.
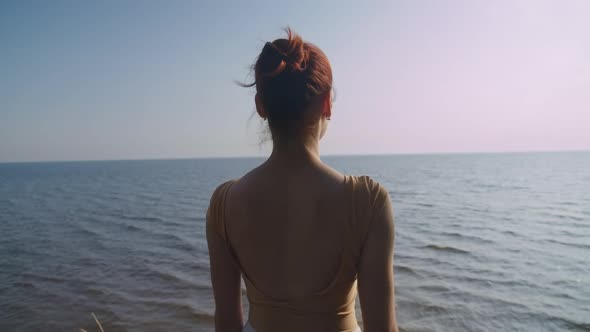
x=288, y=75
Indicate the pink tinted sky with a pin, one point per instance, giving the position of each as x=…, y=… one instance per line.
x=482, y=76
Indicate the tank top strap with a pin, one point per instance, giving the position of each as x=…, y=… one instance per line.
x=217, y=221
x=216, y=210
x=365, y=192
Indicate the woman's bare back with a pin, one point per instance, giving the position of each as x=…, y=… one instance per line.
x=286, y=227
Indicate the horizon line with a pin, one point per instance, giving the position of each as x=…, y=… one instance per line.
x=321, y=155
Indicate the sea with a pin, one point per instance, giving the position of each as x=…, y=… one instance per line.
x=483, y=242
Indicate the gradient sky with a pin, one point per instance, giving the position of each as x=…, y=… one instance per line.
x=155, y=79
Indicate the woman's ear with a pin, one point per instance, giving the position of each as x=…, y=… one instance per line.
x=259, y=108
x=327, y=105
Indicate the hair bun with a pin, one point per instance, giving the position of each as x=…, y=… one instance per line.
x=270, y=46
x=294, y=48
x=282, y=54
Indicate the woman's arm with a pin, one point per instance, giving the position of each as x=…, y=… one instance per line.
x=226, y=280
x=375, y=274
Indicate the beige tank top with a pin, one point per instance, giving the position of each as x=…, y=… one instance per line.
x=333, y=307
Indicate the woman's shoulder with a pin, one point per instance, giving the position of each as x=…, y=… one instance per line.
x=372, y=202
x=222, y=188
x=366, y=185
x=217, y=200
x=216, y=209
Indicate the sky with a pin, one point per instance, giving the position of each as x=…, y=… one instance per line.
x=95, y=80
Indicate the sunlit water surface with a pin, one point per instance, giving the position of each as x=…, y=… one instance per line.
x=484, y=242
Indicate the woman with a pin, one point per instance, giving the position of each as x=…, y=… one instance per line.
x=300, y=233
